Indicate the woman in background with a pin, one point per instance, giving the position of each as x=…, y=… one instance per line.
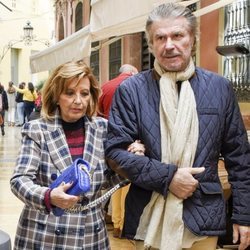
x=11, y=94
x=37, y=107
x=29, y=97
x=20, y=105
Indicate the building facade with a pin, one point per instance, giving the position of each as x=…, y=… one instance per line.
x=107, y=56
x=15, y=46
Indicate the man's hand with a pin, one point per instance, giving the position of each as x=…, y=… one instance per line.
x=183, y=183
x=241, y=233
x=59, y=198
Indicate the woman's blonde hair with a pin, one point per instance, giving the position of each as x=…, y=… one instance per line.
x=58, y=82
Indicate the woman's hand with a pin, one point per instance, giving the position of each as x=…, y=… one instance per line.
x=59, y=198
x=137, y=148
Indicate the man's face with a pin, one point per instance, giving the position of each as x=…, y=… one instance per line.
x=172, y=43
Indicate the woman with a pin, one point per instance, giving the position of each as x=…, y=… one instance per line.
x=38, y=106
x=29, y=97
x=68, y=129
x=11, y=94
x=20, y=106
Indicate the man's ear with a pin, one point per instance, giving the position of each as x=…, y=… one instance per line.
x=150, y=48
x=194, y=46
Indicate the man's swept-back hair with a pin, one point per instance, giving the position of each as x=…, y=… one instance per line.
x=170, y=10
x=58, y=82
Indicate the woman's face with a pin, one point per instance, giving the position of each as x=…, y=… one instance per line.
x=74, y=100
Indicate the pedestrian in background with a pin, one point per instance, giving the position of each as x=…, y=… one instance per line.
x=36, y=113
x=11, y=94
x=187, y=118
x=118, y=198
x=29, y=97
x=20, y=106
x=4, y=106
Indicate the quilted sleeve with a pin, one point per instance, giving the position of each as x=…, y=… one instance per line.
x=236, y=152
x=125, y=126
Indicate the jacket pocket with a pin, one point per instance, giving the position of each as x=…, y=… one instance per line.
x=209, y=128
x=208, y=111
x=210, y=188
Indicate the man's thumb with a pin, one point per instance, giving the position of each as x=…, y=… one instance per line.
x=196, y=170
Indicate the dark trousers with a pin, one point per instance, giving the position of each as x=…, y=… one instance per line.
x=2, y=126
x=28, y=108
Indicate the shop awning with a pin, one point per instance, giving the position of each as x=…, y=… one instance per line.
x=108, y=19
x=129, y=16
x=74, y=47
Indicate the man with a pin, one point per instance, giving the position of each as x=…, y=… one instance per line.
x=186, y=117
x=108, y=90
x=4, y=106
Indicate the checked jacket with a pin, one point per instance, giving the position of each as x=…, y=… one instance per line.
x=44, y=153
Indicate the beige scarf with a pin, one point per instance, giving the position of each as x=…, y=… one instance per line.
x=161, y=225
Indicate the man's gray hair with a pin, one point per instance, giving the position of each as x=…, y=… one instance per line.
x=127, y=68
x=170, y=10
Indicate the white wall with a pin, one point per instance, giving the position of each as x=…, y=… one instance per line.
x=41, y=15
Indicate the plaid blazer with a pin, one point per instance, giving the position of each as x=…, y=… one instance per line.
x=44, y=153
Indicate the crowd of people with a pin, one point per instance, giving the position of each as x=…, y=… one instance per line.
x=162, y=130
x=17, y=104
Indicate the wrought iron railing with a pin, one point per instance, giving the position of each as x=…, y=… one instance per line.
x=237, y=43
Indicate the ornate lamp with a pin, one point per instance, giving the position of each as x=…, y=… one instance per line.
x=27, y=39
x=28, y=33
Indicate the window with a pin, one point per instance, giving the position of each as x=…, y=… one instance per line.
x=14, y=64
x=236, y=64
x=114, y=59
x=146, y=57
x=61, y=29
x=78, y=17
x=14, y=4
x=94, y=60
x=34, y=6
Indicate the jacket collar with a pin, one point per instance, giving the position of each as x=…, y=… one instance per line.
x=58, y=147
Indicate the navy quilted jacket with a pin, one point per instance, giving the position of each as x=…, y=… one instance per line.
x=135, y=115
